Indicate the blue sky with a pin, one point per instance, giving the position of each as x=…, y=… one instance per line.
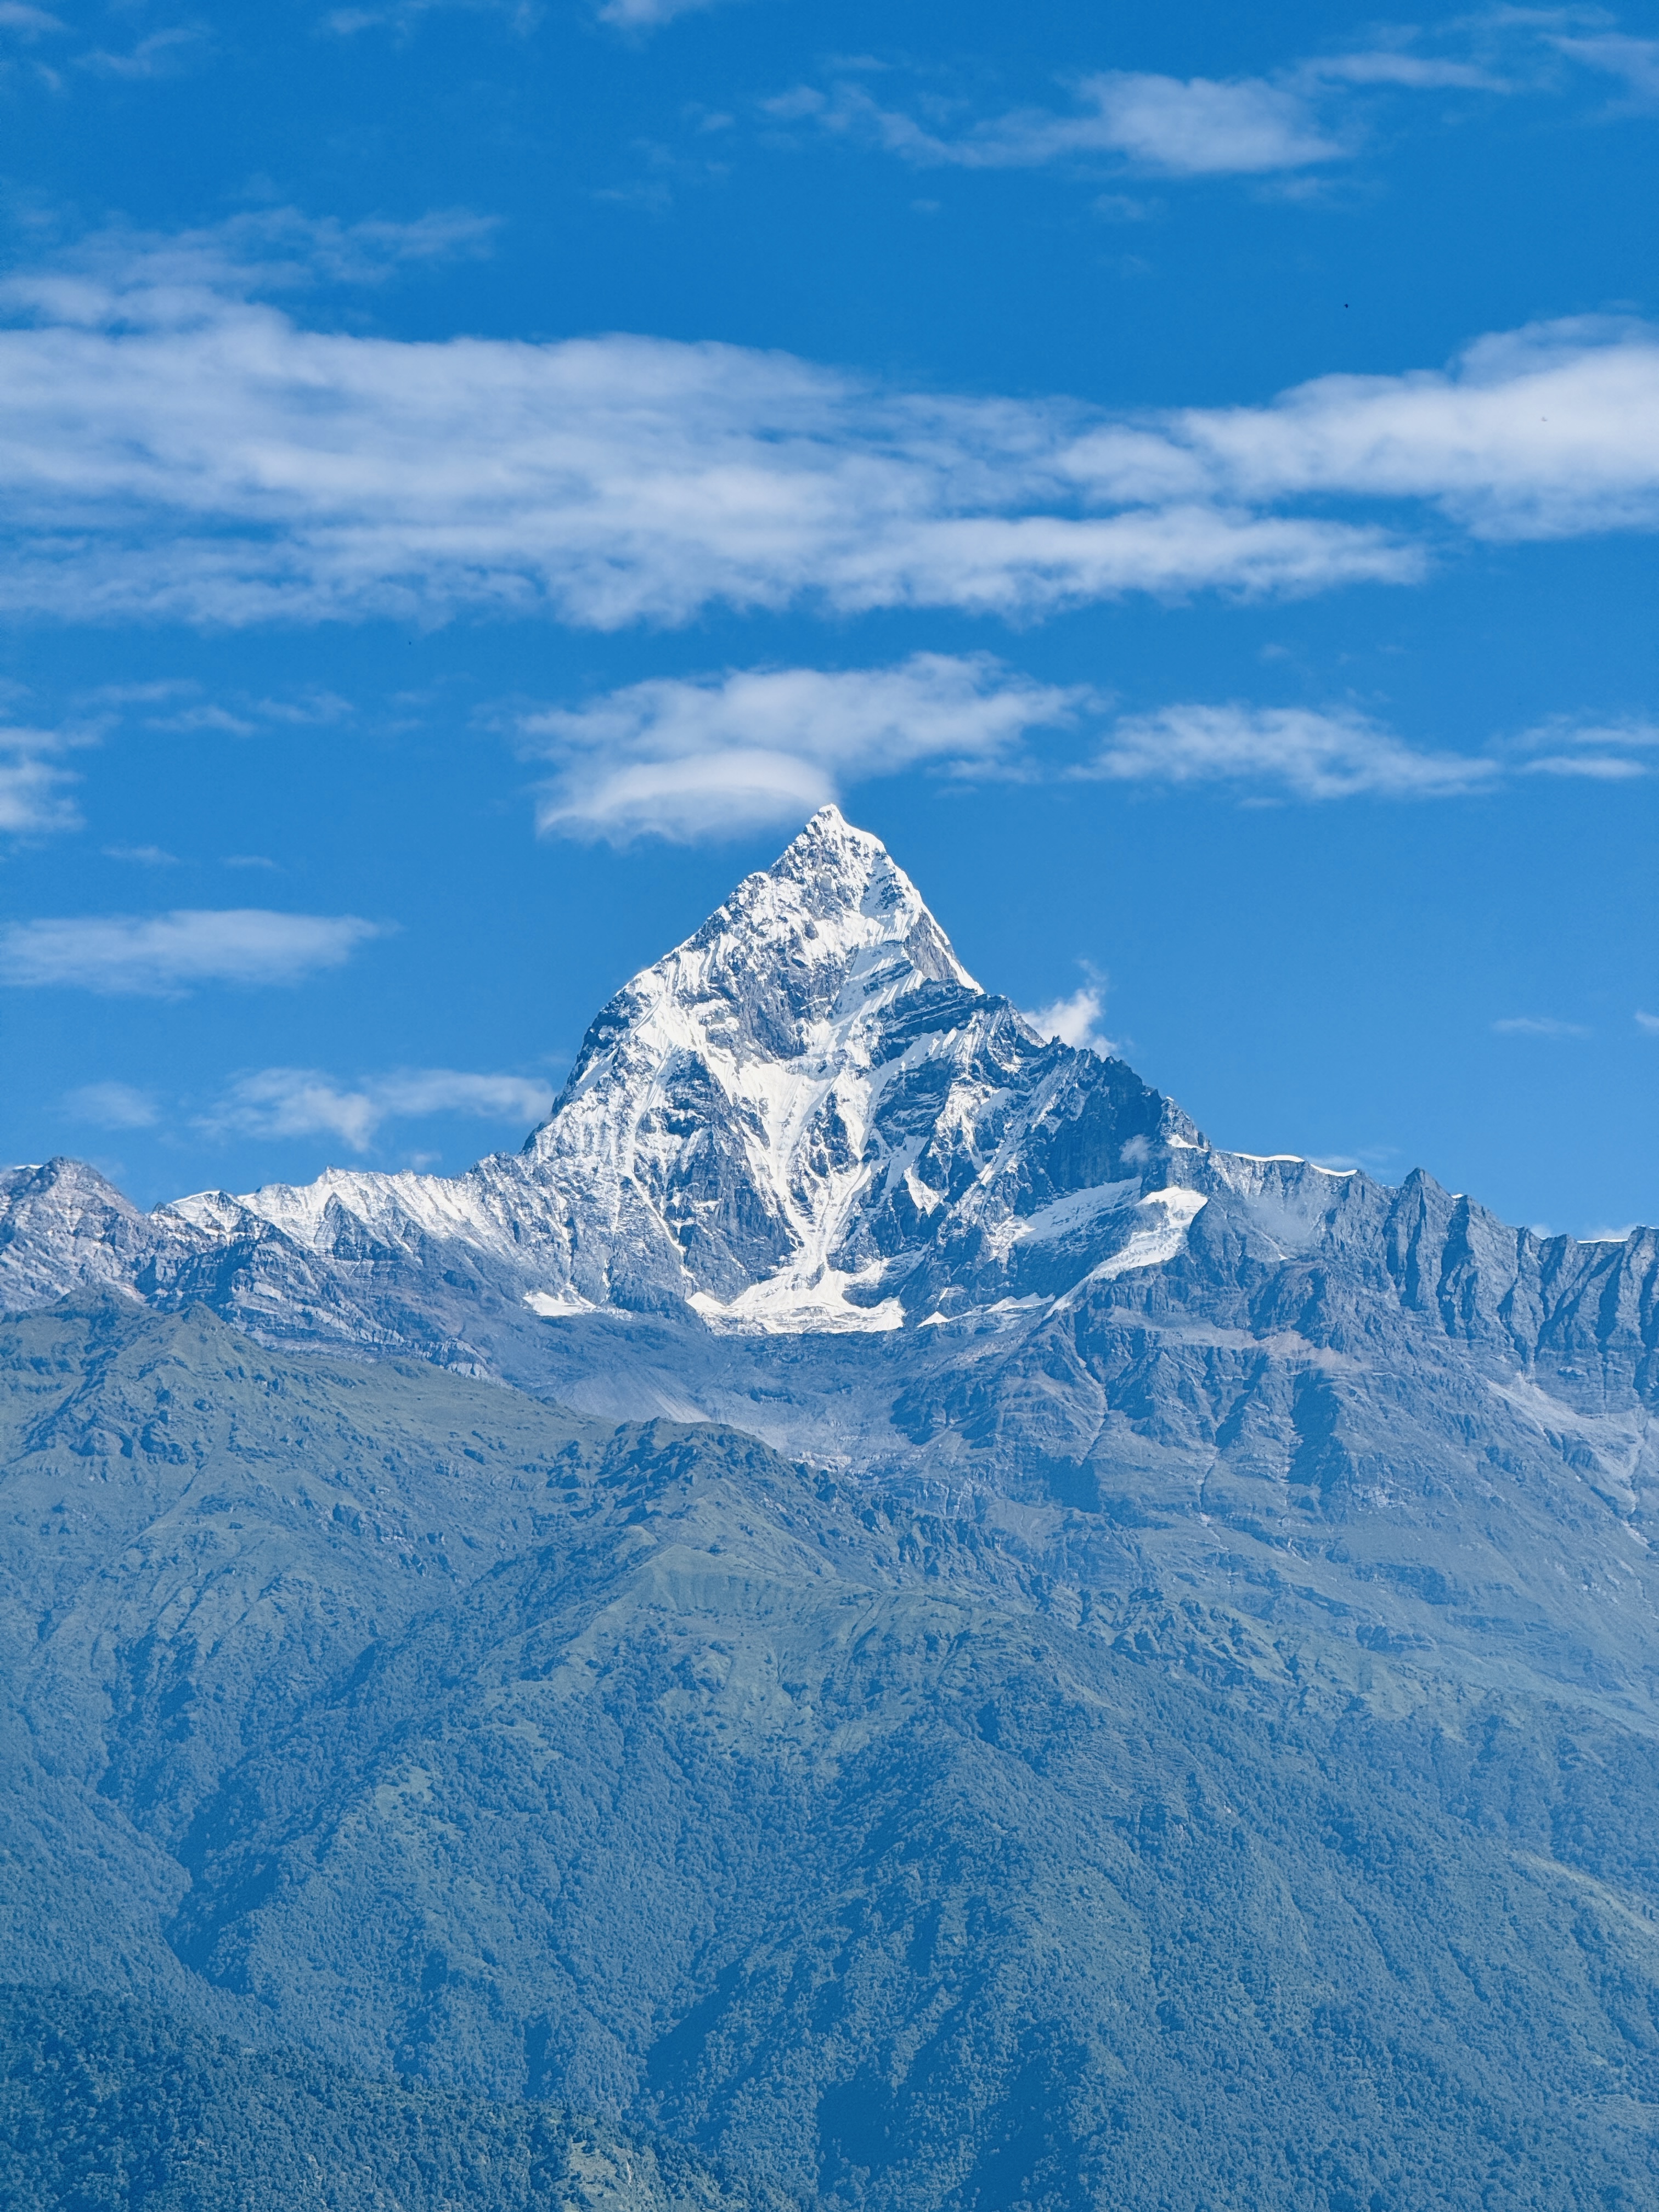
x=477, y=477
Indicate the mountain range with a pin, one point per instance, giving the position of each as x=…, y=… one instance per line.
x=870, y=1607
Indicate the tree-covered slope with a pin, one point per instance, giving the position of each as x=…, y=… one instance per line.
x=910, y=1850
x=105, y=2106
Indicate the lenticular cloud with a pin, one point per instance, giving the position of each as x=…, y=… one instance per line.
x=759, y=747
x=169, y=451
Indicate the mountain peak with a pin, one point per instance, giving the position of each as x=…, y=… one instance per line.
x=829, y=840
x=836, y=898
x=828, y=934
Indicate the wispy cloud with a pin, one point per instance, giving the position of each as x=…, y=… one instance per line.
x=1307, y=114
x=1649, y=1023
x=403, y=16
x=305, y=1101
x=1308, y=754
x=1595, y=768
x=1176, y=126
x=36, y=786
x=1634, y=60
x=1398, y=67
x=1606, y=751
x=1539, y=1025
x=160, y=955
x=160, y=280
x=1545, y=432
x=113, y=1106
x=647, y=15
x=142, y=856
x=719, y=756
x=30, y=22
x=1074, y=1021
x=165, y=52
x=176, y=451
x=726, y=754
x=179, y=705
x=1296, y=117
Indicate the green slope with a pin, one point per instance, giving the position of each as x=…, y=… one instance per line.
x=911, y=1852
x=107, y=2107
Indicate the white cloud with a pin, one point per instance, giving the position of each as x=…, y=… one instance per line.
x=159, y=955
x=34, y=795
x=721, y=755
x=174, y=451
x=645, y=15
x=173, y=278
x=1539, y=433
x=1601, y=751
x=303, y=1101
x=403, y=16
x=1201, y=128
x=1074, y=1021
x=1598, y=768
x=728, y=753
x=1301, y=117
x=1635, y=60
x=113, y=1106
x=204, y=717
x=1542, y=1025
x=1649, y=1023
x=1311, y=754
x=163, y=53
x=1396, y=66
x=32, y=22
x=1192, y=126
x=143, y=856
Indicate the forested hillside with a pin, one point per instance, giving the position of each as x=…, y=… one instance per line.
x=904, y=1854
x=108, y=2107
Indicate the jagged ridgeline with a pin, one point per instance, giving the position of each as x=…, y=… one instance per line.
x=869, y=1608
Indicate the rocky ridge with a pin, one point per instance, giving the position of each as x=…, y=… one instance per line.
x=808, y=1177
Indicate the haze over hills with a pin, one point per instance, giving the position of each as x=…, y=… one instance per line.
x=990, y=1653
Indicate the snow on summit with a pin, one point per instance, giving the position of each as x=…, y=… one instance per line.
x=772, y=1125
x=809, y=1121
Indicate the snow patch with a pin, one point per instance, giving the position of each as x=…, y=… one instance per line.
x=557, y=1305
x=794, y=1304
x=1167, y=1215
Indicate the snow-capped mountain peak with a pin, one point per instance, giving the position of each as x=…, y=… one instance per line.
x=724, y=1108
x=808, y=1121
x=832, y=932
x=806, y=1116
